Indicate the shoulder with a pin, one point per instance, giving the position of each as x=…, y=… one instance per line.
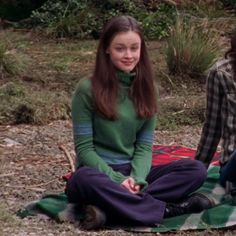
x=221, y=69
x=83, y=86
x=223, y=66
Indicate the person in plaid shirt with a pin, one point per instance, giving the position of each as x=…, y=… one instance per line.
x=220, y=122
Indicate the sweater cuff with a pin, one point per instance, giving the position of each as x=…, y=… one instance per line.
x=118, y=177
x=140, y=181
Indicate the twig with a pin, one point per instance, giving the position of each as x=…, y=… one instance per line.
x=72, y=165
x=39, y=185
x=6, y=175
x=169, y=79
x=35, y=187
x=26, y=187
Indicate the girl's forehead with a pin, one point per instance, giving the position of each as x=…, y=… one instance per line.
x=126, y=37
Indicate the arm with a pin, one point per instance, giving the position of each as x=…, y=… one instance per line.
x=211, y=132
x=82, y=117
x=142, y=158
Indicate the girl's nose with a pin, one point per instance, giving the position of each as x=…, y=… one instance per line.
x=128, y=53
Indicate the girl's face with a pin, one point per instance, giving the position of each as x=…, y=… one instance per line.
x=124, y=50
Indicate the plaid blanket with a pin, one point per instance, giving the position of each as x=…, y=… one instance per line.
x=222, y=215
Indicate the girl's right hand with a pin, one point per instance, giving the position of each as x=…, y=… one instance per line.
x=130, y=185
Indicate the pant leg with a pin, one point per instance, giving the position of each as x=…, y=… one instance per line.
x=175, y=181
x=89, y=186
x=228, y=171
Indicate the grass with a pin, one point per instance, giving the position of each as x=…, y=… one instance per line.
x=191, y=48
x=11, y=61
x=42, y=92
x=6, y=215
x=30, y=106
x=186, y=110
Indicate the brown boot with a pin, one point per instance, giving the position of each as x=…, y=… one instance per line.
x=94, y=218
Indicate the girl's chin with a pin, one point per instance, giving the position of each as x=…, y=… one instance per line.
x=127, y=69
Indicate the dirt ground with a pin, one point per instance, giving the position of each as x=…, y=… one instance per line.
x=32, y=163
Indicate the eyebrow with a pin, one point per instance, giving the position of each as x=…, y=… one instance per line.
x=122, y=44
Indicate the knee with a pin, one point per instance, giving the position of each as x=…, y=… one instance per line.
x=80, y=180
x=88, y=177
x=198, y=169
x=83, y=176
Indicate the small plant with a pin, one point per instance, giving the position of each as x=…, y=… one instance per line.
x=191, y=49
x=11, y=62
x=20, y=105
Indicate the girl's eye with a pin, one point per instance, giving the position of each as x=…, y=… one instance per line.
x=119, y=49
x=134, y=49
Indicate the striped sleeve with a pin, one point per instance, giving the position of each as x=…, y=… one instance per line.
x=142, y=159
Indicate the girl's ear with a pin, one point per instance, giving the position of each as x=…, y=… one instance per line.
x=107, y=51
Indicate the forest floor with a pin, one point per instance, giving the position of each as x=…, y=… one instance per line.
x=32, y=164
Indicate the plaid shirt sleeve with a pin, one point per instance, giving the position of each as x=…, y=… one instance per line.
x=211, y=132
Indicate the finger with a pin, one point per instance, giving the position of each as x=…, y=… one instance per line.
x=137, y=188
x=131, y=182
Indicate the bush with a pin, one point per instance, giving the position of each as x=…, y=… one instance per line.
x=191, y=49
x=11, y=61
x=20, y=104
x=156, y=24
x=85, y=19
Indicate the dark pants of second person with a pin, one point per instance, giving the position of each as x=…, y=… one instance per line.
x=167, y=183
x=228, y=171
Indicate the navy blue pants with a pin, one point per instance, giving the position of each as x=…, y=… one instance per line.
x=228, y=171
x=167, y=183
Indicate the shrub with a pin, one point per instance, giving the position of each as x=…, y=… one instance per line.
x=85, y=18
x=11, y=61
x=19, y=104
x=156, y=23
x=191, y=49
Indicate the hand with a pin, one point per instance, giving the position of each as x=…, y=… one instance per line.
x=130, y=185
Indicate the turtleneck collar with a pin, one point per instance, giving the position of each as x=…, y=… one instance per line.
x=126, y=78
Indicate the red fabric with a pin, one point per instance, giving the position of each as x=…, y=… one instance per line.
x=163, y=154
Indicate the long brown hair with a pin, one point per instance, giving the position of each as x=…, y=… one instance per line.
x=105, y=86
x=232, y=52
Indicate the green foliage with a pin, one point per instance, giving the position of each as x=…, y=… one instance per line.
x=203, y=9
x=156, y=23
x=191, y=49
x=85, y=18
x=20, y=104
x=11, y=61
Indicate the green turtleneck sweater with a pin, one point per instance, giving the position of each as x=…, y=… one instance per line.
x=100, y=142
